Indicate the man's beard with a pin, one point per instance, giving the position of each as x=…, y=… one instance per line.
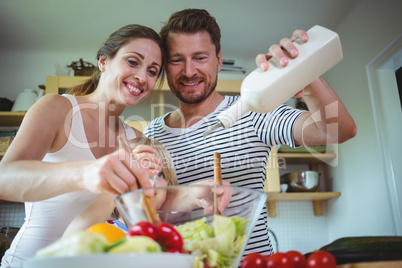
x=197, y=98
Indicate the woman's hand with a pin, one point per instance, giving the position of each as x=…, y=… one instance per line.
x=122, y=171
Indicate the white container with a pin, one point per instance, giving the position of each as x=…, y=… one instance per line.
x=263, y=92
x=26, y=99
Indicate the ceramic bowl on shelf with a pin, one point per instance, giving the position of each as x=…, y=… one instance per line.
x=227, y=235
x=302, y=181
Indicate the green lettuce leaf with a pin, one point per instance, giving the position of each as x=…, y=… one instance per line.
x=220, y=242
x=137, y=244
x=76, y=244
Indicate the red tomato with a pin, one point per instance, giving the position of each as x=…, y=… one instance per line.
x=299, y=261
x=169, y=237
x=321, y=259
x=253, y=260
x=279, y=260
x=144, y=228
x=266, y=257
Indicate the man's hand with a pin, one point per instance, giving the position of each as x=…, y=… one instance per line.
x=282, y=51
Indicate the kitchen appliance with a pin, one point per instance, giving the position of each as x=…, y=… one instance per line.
x=262, y=91
x=302, y=181
x=26, y=99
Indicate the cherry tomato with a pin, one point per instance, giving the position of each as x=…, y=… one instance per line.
x=299, y=261
x=144, y=228
x=279, y=260
x=169, y=237
x=321, y=259
x=253, y=260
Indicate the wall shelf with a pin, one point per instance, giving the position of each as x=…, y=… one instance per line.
x=5, y=202
x=316, y=197
x=313, y=196
x=11, y=118
x=323, y=156
x=272, y=186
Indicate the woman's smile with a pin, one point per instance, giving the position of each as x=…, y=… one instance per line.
x=134, y=89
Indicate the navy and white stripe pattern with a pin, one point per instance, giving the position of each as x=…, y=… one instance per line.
x=244, y=150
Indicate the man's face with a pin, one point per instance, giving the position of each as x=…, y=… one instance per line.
x=192, y=67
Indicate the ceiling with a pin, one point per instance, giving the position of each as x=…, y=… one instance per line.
x=248, y=27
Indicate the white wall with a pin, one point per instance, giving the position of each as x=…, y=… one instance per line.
x=28, y=69
x=364, y=208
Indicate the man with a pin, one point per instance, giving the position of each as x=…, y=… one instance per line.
x=192, y=40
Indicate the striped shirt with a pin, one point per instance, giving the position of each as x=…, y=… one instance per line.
x=244, y=150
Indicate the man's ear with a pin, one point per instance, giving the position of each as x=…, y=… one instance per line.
x=102, y=63
x=220, y=60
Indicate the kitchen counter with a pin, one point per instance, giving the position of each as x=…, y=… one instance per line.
x=367, y=251
x=380, y=264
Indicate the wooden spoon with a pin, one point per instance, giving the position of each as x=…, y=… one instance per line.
x=217, y=178
x=150, y=210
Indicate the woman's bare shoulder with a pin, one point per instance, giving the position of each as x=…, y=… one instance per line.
x=51, y=106
x=49, y=112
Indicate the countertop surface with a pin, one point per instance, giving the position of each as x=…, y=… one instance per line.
x=380, y=264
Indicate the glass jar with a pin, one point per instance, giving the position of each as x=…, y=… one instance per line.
x=7, y=235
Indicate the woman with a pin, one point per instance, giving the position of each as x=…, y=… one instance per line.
x=65, y=151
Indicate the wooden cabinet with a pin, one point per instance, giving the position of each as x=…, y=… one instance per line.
x=59, y=84
x=142, y=116
x=9, y=119
x=272, y=185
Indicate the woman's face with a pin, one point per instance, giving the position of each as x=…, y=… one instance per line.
x=133, y=72
x=160, y=195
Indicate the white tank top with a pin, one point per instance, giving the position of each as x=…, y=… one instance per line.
x=46, y=221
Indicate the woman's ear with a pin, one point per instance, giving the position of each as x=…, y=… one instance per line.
x=102, y=63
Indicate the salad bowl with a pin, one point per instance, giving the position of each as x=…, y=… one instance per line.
x=215, y=221
x=194, y=227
